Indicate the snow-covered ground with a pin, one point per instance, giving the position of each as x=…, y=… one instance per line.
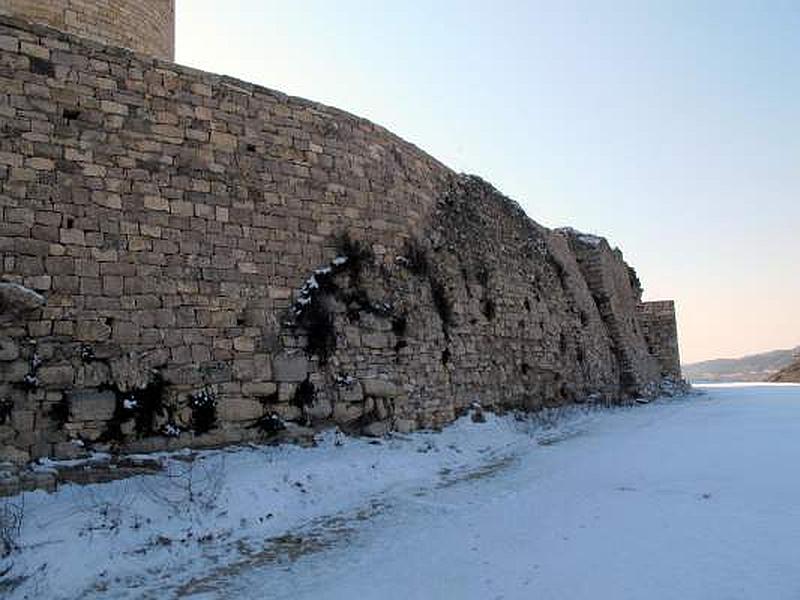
x=696, y=498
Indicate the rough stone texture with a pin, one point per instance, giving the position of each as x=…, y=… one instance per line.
x=17, y=301
x=146, y=26
x=660, y=328
x=214, y=257
x=92, y=406
x=617, y=294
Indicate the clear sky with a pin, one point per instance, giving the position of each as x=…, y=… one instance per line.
x=670, y=127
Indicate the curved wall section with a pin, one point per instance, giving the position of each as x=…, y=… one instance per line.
x=189, y=259
x=146, y=26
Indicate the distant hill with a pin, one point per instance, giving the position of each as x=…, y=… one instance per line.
x=755, y=367
x=790, y=374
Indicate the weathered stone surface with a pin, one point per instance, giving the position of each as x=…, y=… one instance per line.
x=286, y=392
x=91, y=405
x=58, y=377
x=321, y=409
x=93, y=374
x=17, y=301
x=143, y=25
x=380, y=388
x=404, y=425
x=239, y=409
x=353, y=392
x=14, y=455
x=69, y=451
x=290, y=368
x=261, y=389
x=192, y=227
x=7, y=434
x=660, y=330
x=9, y=349
x=287, y=412
x=14, y=371
x=92, y=331
x=347, y=412
x=40, y=481
x=136, y=372
x=23, y=420
x=377, y=429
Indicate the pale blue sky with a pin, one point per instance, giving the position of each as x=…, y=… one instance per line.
x=672, y=128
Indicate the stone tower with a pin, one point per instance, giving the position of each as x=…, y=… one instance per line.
x=146, y=26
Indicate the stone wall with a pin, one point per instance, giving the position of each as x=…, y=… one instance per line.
x=617, y=293
x=191, y=260
x=660, y=328
x=146, y=26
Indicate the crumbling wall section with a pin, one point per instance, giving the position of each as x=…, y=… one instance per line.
x=660, y=328
x=617, y=294
x=193, y=260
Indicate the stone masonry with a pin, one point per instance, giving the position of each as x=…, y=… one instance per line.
x=660, y=331
x=146, y=26
x=191, y=260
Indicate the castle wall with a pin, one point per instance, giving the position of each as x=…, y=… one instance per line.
x=660, y=328
x=190, y=260
x=146, y=26
x=617, y=294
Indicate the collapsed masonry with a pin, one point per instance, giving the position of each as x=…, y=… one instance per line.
x=191, y=260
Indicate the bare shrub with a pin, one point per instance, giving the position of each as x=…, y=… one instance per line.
x=12, y=513
x=189, y=485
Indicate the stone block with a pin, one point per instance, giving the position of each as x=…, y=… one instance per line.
x=287, y=412
x=244, y=344
x=156, y=203
x=286, y=392
x=92, y=374
x=262, y=364
x=351, y=393
x=14, y=371
x=320, y=410
x=150, y=444
x=34, y=50
x=72, y=237
x=69, y=451
x=56, y=376
x=380, y=388
x=22, y=420
x=376, y=340
x=14, y=455
x=383, y=408
x=92, y=331
x=39, y=481
x=292, y=368
x=405, y=425
x=18, y=301
x=244, y=369
x=223, y=141
x=259, y=388
x=347, y=412
x=7, y=434
x=91, y=405
x=377, y=429
x=114, y=108
x=9, y=350
x=236, y=410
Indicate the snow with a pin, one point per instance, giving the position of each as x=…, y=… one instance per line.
x=586, y=238
x=693, y=498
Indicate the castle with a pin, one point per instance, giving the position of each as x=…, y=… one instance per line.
x=192, y=260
